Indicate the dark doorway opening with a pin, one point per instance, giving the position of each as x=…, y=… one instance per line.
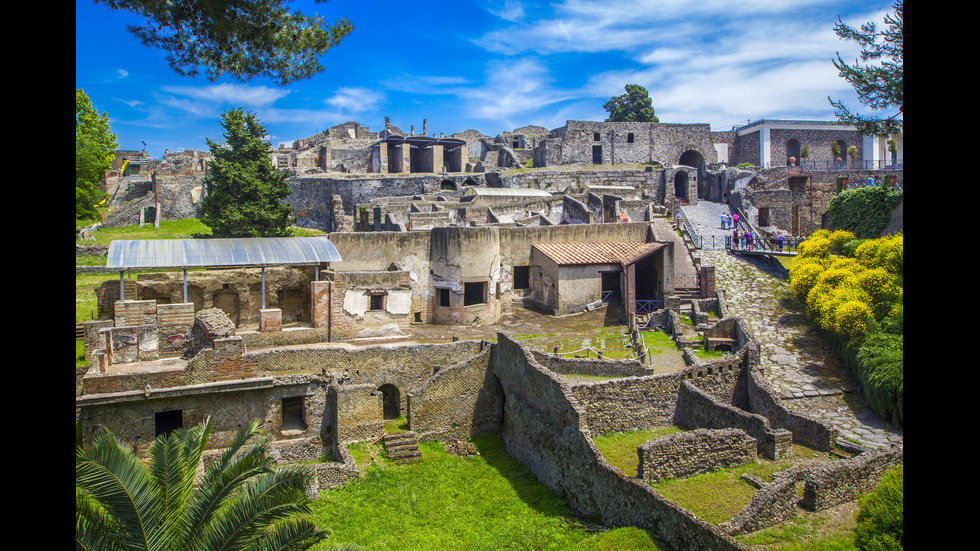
x=391, y=401
x=166, y=422
x=680, y=186
x=522, y=277
x=597, y=154
x=611, y=291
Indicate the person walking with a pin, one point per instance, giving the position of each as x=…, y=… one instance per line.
x=735, y=218
x=723, y=220
x=735, y=239
x=729, y=221
x=779, y=241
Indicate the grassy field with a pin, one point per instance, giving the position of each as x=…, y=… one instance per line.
x=487, y=501
x=619, y=448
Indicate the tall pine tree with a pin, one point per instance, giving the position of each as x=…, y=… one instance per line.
x=244, y=194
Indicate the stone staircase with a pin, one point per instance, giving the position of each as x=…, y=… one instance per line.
x=402, y=447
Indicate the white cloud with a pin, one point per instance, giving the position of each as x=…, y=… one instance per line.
x=512, y=88
x=355, y=100
x=229, y=94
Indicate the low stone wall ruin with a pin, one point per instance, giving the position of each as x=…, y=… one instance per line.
x=693, y=453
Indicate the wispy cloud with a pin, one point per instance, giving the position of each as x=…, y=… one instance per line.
x=355, y=100
x=227, y=94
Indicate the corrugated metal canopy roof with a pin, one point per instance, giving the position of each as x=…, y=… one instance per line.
x=213, y=253
x=512, y=191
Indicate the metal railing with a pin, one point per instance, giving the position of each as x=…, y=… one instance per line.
x=612, y=296
x=648, y=306
x=851, y=165
x=768, y=245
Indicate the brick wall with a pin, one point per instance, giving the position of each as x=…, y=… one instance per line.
x=131, y=313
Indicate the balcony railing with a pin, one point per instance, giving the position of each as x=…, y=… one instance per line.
x=850, y=165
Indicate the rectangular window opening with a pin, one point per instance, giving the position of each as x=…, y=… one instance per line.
x=443, y=297
x=294, y=413
x=522, y=277
x=629, y=138
x=377, y=302
x=596, y=137
x=474, y=292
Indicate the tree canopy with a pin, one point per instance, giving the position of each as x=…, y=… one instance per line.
x=633, y=106
x=878, y=84
x=244, y=193
x=95, y=148
x=243, y=39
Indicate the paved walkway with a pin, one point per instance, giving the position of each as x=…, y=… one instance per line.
x=705, y=217
x=800, y=365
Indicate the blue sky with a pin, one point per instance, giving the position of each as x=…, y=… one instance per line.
x=492, y=66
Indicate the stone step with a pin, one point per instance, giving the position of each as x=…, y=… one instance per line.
x=402, y=447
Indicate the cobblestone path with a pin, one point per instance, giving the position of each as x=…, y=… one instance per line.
x=800, y=365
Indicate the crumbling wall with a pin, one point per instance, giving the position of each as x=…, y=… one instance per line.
x=544, y=428
x=693, y=453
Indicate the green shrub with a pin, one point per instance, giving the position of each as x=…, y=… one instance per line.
x=879, y=522
x=865, y=211
x=881, y=363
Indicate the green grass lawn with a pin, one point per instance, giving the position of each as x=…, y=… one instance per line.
x=489, y=501
x=619, y=448
x=718, y=496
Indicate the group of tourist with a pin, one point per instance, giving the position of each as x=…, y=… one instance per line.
x=750, y=241
x=727, y=220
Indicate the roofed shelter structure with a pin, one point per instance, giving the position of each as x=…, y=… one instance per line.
x=571, y=277
x=149, y=254
x=408, y=154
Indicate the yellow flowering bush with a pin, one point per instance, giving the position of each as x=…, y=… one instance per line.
x=880, y=286
x=839, y=238
x=851, y=318
x=817, y=245
x=803, y=275
x=887, y=252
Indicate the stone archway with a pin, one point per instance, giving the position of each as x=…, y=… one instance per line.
x=695, y=159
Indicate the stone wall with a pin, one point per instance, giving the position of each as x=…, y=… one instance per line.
x=458, y=402
x=544, y=428
x=825, y=485
x=697, y=408
x=631, y=403
x=693, y=453
x=594, y=368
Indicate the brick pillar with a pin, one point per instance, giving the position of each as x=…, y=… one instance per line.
x=707, y=281
x=270, y=319
x=320, y=295
x=406, y=165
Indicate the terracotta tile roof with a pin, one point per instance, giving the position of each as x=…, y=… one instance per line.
x=597, y=253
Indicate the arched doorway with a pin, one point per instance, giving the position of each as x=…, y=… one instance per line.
x=391, y=401
x=694, y=159
x=793, y=153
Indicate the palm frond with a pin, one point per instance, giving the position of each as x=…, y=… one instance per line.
x=120, y=483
